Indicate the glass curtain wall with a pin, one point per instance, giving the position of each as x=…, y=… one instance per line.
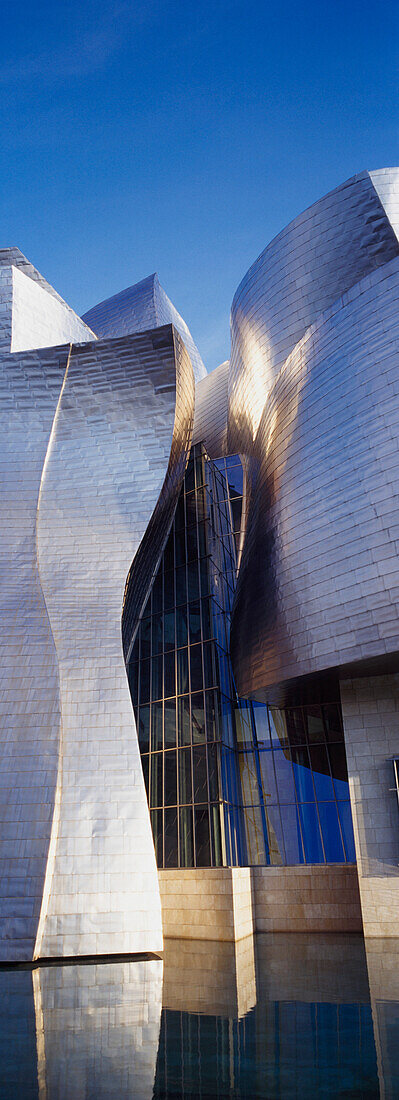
x=229, y=782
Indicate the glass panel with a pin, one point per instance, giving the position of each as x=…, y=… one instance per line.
x=315, y=724
x=331, y=832
x=339, y=771
x=185, y=779
x=189, y=483
x=275, y=835
x=146, y=772
x=311, y=834
x=144, y=729
x=207, y=631
x=145, y=681
x=180, y=544
x=345, y=817
x=192, y=546
x=321, y=772
x=284, y=775
x=196, y=667
x=171, y=838
x=157, y=594
x=303, y=775
x=213, y=773
x=295, y=727
x=186, y=837
x=205, y=571
x=243, y=724
x=182, y=671
x=202, y=845
x=198, y=717
x=254, y=835
x=183, y=713
x=169, y=553
x=156, y=779
x=269, y=788
x=157, y=634
x=181, y=587
x=212, y=709
x=145, y=638
x=333, y=721
x=199, y=774
x=201, y=504
x=278, y=728
x=170, y=723
x=261, y=724
x=202, y=540
x=179, y=520
x=192, y=581
x=156, y=726
x=133, y=677
x=169, y=674
x=235, y=478
x=249, y=779
x=191, y=514
x=170, y=779
x=169, y=630
x=194, y=622
x=156, y=671
x=292, y=834
x=157, y=832
x=236, y=509
x=216, y=840
x=181, y=626
x=209, y=674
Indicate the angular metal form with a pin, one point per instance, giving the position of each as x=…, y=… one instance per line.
x=142, y=306
x=95, y=439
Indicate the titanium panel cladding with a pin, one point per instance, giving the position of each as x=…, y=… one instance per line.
x=142, y=306
x=324, y=519
x=93, y=437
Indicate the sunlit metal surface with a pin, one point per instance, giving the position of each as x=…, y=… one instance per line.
x=318, y=588
x=94, y=440
x=211, y=410
x=32, y=314
x=142, y=306
x=311, y=263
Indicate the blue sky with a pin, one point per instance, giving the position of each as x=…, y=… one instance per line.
x=181, y=137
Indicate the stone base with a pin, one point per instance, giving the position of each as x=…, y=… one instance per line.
x=228, y=903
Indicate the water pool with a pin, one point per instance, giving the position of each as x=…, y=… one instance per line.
x=273, y=1016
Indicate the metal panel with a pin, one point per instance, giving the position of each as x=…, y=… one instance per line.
x=318, y=586
x=142, y=306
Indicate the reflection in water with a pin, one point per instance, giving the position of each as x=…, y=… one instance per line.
x=275, y=1016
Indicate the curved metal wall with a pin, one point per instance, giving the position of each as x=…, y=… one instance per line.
x=30, y=386
x=105, y=470
x=211, y=408
x=95, y=440
x=315, y=259
x=318, y=585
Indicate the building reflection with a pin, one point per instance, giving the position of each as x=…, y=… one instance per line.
x=275, y=1015
x=97, y=1029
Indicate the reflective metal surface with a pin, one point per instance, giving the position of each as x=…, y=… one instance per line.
x=211, y=411
x=314, y=401
x=32, y=314
x=94, y=439
x=142, y=306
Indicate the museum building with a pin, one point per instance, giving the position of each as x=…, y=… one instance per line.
x=199, y=592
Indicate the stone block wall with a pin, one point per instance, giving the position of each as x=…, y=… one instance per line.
x=307, y=899
x=370, y=709
x=230, y=903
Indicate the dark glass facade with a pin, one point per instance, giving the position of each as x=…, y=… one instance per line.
x=229, y=782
